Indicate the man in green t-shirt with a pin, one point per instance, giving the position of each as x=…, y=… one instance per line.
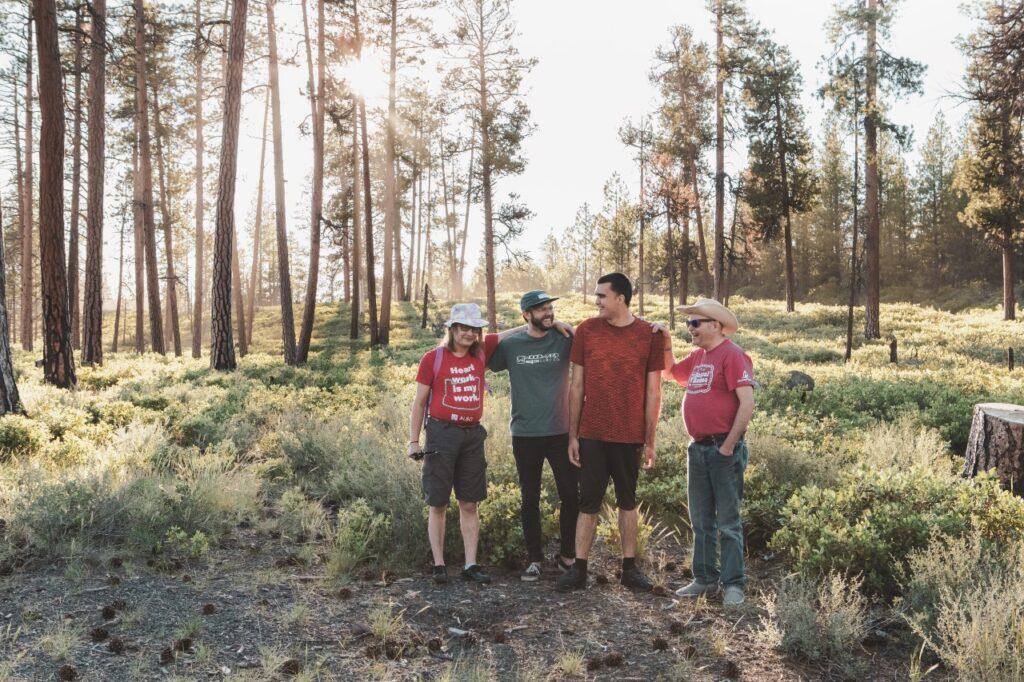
x=536, y=357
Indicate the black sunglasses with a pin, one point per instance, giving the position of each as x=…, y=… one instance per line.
x=697, y=322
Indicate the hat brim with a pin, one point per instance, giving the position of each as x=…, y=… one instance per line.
x=719, y=313
x=541, y=302
x=478, y=323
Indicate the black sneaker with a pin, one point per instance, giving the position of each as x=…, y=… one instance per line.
x=562, y=564
x=476, y=574
x=572, y=579
x=440, y=575
x=634, y=579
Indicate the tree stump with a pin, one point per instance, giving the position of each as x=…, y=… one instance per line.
x=997, y=442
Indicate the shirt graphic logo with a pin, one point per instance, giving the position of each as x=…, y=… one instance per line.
x=537, y=358
x=461, y=389
x=700, y=379
x=746, y=378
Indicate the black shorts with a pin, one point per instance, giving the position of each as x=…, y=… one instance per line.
x=601, y=460
x=456, y=460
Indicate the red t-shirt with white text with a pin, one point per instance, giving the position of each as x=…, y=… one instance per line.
x=711, y=379
x=457, y=392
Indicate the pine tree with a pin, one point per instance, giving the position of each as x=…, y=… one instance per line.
x=92, y=330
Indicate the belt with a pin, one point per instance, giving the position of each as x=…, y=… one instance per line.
x=715, y=439
x=458, y=425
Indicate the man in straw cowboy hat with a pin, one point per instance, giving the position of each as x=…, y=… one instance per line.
x=448, y=405
x=719, y=402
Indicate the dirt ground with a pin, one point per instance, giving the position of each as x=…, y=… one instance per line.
x=251, y=611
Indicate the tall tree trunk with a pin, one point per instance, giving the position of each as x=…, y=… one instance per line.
x=684, y=271
x=371, y=278
x=428, y=253
x=137, y=257
x=410, y=266
x=10, y=401
x=200, y=152
x=92, y=331
x=390, y=198
x=20, y=182
x=856, y=224
x=76, y=186
x=120, y=288
x=451, y=235
x=258, y=225
x=702, y=248
x=165, y=218
x=671, y=251
x=780, y=141
x=222, y=352
x=719, y=266
x=1009, y=277
x=872, y=289
x=238, y=296
x=353, y=331
x=486, y=162
x=465, y=219
x=156, y=324
x=643, y=222
x=316, y=96
x=58, y=355
x=27, y=311
x=284, y=274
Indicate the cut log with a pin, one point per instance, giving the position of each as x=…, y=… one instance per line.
x=997, y=442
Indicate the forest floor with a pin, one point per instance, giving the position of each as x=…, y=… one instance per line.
x=248, y=613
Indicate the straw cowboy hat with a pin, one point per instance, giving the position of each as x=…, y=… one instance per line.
x=709, y=307
x=467, y=314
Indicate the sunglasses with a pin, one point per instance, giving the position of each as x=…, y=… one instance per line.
x=693, y=324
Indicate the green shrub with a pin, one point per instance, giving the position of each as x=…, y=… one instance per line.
x=177, y=544
x=874, y=519
x=299, y=517
x=775, y=471
x=20, y=437
x=361, y=536
x=820, y=623
x=501, y=531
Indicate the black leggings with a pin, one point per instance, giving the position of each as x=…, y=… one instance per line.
x=530, y=453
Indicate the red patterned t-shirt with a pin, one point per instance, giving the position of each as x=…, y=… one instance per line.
x=616, y=361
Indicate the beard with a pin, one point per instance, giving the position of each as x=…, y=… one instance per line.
x=542, y=323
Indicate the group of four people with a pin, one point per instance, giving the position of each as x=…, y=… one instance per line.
x=595, y=423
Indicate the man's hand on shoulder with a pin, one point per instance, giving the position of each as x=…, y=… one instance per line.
x=564, y=328
x=660, y=329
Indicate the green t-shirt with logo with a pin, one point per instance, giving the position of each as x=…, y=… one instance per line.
x=538, y=370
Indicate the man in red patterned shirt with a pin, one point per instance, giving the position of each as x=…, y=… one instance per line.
x=614, y=404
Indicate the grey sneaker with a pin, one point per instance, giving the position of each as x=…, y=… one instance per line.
x=732, y=596
x=532, y=573
x=697, y=589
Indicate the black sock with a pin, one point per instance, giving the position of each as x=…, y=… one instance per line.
x=628, y=563
x=581, y=566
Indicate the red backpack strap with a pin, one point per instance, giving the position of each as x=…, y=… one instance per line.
x=438, y=358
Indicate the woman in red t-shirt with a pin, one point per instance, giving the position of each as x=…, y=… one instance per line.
x=448, y=405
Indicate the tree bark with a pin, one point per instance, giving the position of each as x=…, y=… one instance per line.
x=92, y=331
x=200, y=151
x=222, y=352
x=1009, y=277
x=465, y=220
x=284, y=274
x=238, y=297
x=156, y=323
x=390, y=198
x=643, y=223
x=27, y=311
x=371, y=278
x=872, y=289
x=258, y=225
x=354, y=308
x=719, y=265
x=780, y=141
x=997, y=442
x=316, y=104
x=120, y=288
x=58, y=355
x=137, y=257
x=856, y=226
x=165, y=218
x=20, y=186
x=702, y=247
x=76, y=186
x=10, y=401
x=485, y=168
